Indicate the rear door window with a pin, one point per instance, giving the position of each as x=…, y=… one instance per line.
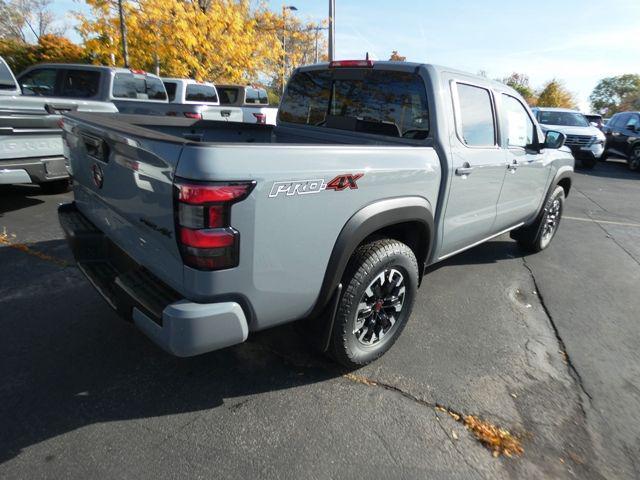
x=381, y=102
x=6, y=78
x=476, y=125
x=80, y=84
x=138, y=87
x=40, y=82
x=228, y=95
x=201, y=93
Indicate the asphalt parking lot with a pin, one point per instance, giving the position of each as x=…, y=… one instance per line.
x=546, y=346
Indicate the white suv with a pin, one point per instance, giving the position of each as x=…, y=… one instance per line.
x=585, y=141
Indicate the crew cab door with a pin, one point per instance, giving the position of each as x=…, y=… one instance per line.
x=527, y=168
x=478, y=168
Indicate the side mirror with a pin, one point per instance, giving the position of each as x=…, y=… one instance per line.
x=554, y=139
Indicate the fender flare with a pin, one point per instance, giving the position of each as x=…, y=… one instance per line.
x=366, y=221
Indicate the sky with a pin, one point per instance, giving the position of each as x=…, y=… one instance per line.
x=577, y=41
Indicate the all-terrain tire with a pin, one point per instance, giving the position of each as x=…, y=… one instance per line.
x=382, y=277
x=537, y=236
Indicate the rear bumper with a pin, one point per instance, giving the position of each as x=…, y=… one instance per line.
x=33, y=170
x=179, y=326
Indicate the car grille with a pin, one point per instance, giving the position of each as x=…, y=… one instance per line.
x=579, y=140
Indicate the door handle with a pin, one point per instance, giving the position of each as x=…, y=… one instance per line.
x=465, y=169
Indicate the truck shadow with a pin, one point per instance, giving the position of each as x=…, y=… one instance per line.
x=613, y=168
x=17, y=197
x=69, y=361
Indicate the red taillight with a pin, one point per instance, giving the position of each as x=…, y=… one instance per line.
x=194, y=115
x=218, y=238
x=60, y=123
x=205, y=236
x=261, y=118
x=351, y=64
x=198, y=194
x=137, y=71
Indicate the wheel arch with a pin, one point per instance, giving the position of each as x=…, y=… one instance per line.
x=407, y=219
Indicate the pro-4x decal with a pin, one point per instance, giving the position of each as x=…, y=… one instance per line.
x=317, y=185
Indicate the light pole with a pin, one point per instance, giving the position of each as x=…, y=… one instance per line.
x=332, y=30
x=123, y=35
x=284, y=41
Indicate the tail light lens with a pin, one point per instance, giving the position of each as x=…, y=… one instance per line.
x=261, y=118
x=203, y=223
x=194, y=115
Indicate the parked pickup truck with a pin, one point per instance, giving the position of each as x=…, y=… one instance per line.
x=192, y=99
x=30, y=137
x=201, y=232
x=253, y=101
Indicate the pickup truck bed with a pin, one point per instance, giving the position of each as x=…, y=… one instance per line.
x=204, y=231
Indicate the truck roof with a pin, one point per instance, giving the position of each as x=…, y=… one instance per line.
x=86, y=66
x=185, y=80
x=411, y=66
x=556, y=109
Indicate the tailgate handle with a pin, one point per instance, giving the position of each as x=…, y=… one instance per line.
x=53, y=108
x=225, y=113
x=96, y=148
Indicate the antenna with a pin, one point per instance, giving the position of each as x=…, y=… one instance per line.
x=367, y=56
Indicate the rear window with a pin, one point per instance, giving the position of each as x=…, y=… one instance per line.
x=170, y=87
x=201, y=93
x=256, y=96
x=6, y=78
x=380, y=102
x=476, y=123
x=80, y=84
x=139, y=87
x=228, y=95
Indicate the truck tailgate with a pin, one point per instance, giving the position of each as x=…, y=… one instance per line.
x=123, y=183
x=228, y=114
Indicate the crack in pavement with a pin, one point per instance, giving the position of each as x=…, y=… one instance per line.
x=570, y=365
x=455, y=446
x=610, y=236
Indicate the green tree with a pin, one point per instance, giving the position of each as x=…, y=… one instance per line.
x=555, y=94
x=520, y=83
x=615, y=94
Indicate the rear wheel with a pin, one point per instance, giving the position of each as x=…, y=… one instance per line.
x=537, y=236
x=634, y=160
x=381, y=282
x=56, y=186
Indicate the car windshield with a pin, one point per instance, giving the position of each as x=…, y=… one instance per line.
x=6, y=79
x=567, y=119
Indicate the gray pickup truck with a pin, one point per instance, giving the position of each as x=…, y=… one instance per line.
x=201, y=232
x=30, y=137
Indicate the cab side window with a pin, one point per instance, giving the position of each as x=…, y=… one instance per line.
x=632, y=121
x=80, y=84
x=476, y=124
x=516, y=123
x=40, y=82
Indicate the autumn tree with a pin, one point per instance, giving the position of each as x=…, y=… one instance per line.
x=555, y=94
x=520, y=83
x=396, y=57
x=616, y=94
x=217, y=40
x=50, y=48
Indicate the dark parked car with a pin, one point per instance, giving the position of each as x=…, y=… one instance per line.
x=623, y=138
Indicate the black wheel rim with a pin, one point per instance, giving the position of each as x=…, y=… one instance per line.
x=551, y=220
x=380, y=307
x=634, y=162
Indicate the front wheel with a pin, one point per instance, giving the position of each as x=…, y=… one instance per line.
x=538, y=235
x=381, y=282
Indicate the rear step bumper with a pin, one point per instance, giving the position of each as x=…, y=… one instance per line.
x=179, y=326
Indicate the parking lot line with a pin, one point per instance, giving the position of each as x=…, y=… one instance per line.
x=609, y=222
